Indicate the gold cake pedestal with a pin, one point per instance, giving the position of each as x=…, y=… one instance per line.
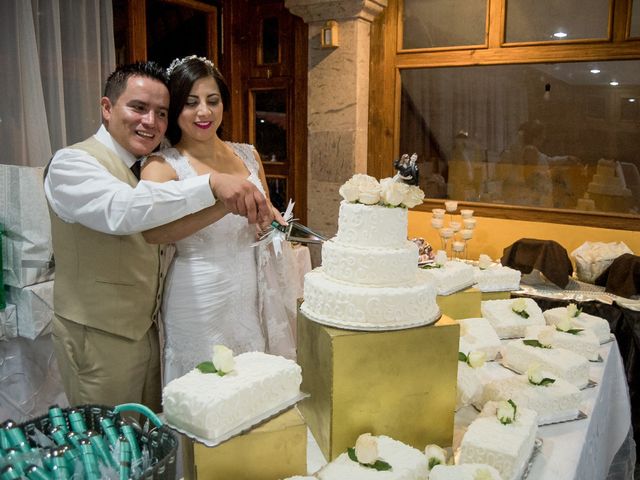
x=466, y=303
x=399, y=383
x=274, y=450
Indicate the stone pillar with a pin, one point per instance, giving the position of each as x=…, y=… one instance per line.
x=338, y=103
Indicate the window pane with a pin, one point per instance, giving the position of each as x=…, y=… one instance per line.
x=443, y=23
x=635, y=19
x=548, y=20
x=547, y=135
x=271, y=124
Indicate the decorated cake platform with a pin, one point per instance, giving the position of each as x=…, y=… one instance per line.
x=368, y=381
x=275, y=449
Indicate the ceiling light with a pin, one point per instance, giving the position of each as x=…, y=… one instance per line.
x=631, y=100
x=613, y=83
x=595, y=71
x=560, y=34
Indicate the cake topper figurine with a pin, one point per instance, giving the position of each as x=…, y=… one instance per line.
x=407, y=169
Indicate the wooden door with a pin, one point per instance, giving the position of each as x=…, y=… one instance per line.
x=267, y=65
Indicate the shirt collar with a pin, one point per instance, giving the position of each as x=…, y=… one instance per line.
x=104, y=137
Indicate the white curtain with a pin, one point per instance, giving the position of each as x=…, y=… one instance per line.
x=54, y=56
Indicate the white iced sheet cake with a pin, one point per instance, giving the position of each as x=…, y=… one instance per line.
x=451, y=277
x=496, y=278
x=469, y=386
x=464, y=472
x=555, y=402
x=567, y=365
x=507, y=448
x=597, y=325
x=477, y=334
x=407, y=463
x=506, y=322
x=208, y=405
x=583, y=343
x=369, y=271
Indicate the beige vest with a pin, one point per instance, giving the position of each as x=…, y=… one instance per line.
x=108, y=282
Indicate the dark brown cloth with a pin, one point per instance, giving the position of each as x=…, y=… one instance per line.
x=622, y=277
x=547, y=256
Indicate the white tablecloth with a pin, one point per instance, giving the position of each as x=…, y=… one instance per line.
x=578, y=450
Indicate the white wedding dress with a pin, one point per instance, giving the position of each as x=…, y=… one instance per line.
x=211, y=293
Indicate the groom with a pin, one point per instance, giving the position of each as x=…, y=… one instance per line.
x=108, y=282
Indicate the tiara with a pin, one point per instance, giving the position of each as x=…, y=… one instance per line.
x=179, y=61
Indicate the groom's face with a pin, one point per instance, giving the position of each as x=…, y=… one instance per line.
x=138, y=118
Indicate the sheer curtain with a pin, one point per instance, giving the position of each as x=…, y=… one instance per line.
x=55, y=56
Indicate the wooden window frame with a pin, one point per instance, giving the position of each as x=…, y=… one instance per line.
x=388, y=60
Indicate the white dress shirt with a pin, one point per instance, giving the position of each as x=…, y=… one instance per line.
x=80, y=190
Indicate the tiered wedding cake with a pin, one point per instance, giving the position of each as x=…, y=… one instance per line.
x=369, y=277
x=609, y=180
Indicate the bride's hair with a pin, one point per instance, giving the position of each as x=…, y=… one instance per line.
x=183, y=74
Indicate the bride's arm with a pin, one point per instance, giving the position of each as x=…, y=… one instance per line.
x=158, y=170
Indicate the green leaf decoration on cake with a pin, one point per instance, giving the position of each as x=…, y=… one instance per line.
x=572, y=331
x=430, y=266
x=546, y=381
x=379, y=465
x=433, y=462
x=519, y=307
x=462, y=357
x=534, y=343
x=207, y=367
x=523, y=313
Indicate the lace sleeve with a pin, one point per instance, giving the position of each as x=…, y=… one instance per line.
x=248, y=154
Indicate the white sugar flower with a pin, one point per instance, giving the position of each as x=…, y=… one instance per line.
x=223, y=359
x=506, y=412
x=413, y=197
x=519, y=305
x=350, y=192
x=392, y=192
x=366, y=448
x=476, y=359
x=436, y=455
x=441, y=257
x=572, y=310
x=545, y=336
x=534, y=374
x=484, y=261
x=483, y=474
x=564, y=325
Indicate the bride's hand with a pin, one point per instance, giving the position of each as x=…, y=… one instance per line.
x=262, y=228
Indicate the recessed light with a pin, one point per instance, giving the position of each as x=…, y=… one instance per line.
x=560, y=34
x=595, y=71
x=631, y=100
x=613, y=83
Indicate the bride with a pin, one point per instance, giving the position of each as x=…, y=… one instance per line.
x=212, y=290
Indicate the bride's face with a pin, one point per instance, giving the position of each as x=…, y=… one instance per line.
x=202, y=113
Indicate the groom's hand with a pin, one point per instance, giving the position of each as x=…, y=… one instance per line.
x=241, y=197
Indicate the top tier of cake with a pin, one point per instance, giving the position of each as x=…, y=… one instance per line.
x=372, y=226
